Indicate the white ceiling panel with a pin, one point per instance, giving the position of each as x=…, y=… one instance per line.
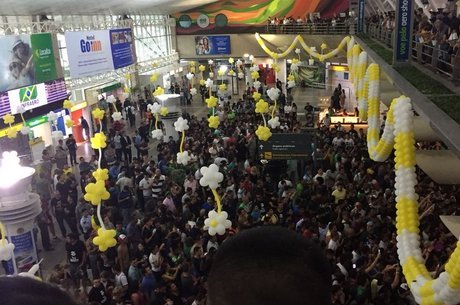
x=91, y=7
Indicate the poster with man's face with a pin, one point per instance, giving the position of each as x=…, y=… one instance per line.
x=16, y=62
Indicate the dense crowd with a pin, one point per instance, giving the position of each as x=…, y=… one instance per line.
x=338, y=198
x=439, y=30
x=310, y=23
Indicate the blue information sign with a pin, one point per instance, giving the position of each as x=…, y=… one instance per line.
x=212, y=45
x=360, y=16
x=403, y=31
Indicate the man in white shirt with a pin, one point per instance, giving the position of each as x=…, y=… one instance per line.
x=146, y=186
x=121, y=280
x=85, y=223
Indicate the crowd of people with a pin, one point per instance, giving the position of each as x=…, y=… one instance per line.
x=338, y=198
x=439, y=30
x=310, y=23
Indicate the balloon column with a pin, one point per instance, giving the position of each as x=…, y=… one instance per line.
x=116, y=115
x=96, y=191
x=181, y=125
x=399, y=133
x=217, y=221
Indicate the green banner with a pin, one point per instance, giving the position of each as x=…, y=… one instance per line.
x=44, y=64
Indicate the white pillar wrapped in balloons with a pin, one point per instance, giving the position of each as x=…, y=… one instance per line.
x=18, y=209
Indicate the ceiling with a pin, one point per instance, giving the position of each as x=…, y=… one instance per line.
x=91, y=7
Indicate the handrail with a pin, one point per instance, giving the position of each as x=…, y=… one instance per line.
x=432, y=56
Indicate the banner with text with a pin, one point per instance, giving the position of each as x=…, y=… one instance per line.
x=95, y=52
x=212, y=45
x=26, y=60
x=89, y=53
x=403, y=31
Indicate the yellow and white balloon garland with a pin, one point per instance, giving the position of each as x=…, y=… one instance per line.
x=217, y=221
x=96, y=192
x=181, y=125
x=311, y=52
x=399, y=129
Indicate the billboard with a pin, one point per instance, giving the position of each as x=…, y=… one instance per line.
x=33, y=96
x=95, y=52
x=26, y=60
x=286, y=146
x=212, y=45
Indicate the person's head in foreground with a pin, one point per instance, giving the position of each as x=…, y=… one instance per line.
x=269, y=266
x=19, y=290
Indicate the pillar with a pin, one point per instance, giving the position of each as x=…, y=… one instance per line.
x=18, y=210
x=282, y=74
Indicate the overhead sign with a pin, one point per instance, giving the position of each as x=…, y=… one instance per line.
x=286, y=146
x=403, y=32
x=26, y=60
x=212, y=45
x=95, y=52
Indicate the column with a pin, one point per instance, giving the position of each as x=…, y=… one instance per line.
x=282, y=74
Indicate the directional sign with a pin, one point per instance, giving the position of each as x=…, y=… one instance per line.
x=286, y=146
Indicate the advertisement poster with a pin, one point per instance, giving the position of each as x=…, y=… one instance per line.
x=33, y=96
x=212, y=45
x=29, y=97
x=25, y=254
x=121, y=41
x=26, y=60
x=89, y=53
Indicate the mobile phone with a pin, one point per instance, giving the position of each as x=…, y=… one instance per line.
x=354, y=266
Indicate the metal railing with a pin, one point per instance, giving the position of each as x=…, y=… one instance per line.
x=343, y=28
x=424, y=53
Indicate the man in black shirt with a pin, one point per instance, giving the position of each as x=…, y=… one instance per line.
x=85, y=126
x=97, y=293
x=72, y=146
x=76, y=257
x=126, y=146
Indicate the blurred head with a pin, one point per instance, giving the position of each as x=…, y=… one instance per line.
x=21, y=290
x=294, y=269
